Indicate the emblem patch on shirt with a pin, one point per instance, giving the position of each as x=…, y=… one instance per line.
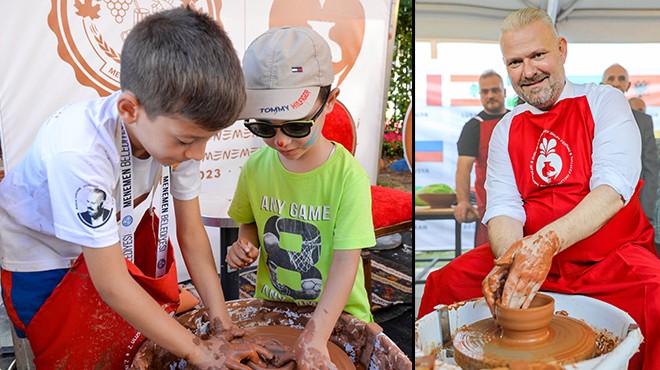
x=94, y=206
x=552, y=161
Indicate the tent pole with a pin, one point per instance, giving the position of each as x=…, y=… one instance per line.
x=553, y=7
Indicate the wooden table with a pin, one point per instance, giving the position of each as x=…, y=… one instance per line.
x=428, y=213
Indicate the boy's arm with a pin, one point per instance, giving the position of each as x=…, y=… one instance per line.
x=196, y=251
x=108, y=272
x=249, y=232
x=338, y=286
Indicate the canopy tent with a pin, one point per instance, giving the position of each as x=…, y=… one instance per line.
x=456, y=40
x=596, y=21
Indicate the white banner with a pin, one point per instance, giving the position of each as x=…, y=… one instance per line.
x=447, y=96
x=436, y=132
x=59, y=51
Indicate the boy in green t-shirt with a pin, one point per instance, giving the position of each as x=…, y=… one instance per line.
x=304, y=199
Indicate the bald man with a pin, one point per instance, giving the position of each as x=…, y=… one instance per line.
x=562, y=212
x=637, y=104
x=617, y=77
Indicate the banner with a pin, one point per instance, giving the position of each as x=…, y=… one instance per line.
x=59, y=51
x=55, y=52
x=447, y=96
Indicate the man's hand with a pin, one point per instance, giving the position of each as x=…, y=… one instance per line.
x=520, y=271
x=465, y=212
x=241, y=254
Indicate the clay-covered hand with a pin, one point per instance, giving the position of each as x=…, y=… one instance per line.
x=241, y=254
x=282, y=356
x=228, y=348
x=465, y=212
x=520, y=271
x=218, y=353
x=311, y=353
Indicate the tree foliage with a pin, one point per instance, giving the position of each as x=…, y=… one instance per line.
x=402, y=70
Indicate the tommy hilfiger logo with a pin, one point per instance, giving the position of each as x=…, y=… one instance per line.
x=285, y=108
x=276, y=109
x=296, y=69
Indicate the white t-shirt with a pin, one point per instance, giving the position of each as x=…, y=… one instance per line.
x=65, y=192
x=615, y=157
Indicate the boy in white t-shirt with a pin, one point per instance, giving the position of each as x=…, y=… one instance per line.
x=304, y=199
x=181, y=83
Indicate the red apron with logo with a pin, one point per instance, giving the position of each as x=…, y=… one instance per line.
x=618, y=264
x=76, y=329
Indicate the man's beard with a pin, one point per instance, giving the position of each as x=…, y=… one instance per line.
x=542, y=98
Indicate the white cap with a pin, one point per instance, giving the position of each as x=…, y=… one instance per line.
x=284, y=69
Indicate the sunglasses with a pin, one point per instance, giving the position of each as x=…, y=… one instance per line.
x=295, y=129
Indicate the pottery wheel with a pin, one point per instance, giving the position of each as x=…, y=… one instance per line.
x=481, y=345
x=288, y=336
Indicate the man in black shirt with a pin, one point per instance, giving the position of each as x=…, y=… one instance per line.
x=473, y=150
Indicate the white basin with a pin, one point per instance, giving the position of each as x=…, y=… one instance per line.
x=599, y=315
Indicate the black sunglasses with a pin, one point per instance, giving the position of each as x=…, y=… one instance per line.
x=295, y=129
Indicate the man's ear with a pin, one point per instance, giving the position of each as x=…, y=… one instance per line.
x=332, y=98
x=628, y=87
x=127, y=105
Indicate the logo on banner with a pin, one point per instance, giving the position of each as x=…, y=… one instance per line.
x=127, y=221
x=90, y=34
x=340, y=22
x=429, y=151
x=552, y=161
x=646, y=88
x=465, y=91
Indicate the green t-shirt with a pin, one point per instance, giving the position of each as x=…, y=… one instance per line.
x=301, y=218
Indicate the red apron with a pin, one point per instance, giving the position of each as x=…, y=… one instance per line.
x=76, y=329
x=480, y=166
x=618, y=264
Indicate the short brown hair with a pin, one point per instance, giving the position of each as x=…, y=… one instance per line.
x=181, y=63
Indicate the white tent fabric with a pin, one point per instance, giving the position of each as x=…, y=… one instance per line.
x=597, y=21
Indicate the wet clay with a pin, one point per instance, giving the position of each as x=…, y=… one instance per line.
x=276, y=337
x=288, y=336
x=533, y=337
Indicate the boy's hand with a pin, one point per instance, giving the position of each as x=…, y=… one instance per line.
x=226, y=349
x=310, y=353
x=241, y=254
x=218, y=353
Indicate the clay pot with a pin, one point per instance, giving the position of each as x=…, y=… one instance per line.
x=526, y=324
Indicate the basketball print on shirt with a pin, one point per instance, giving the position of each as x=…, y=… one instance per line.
x=552, y=161
x=302, y=262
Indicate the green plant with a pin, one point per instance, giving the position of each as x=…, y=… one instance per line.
x=400, y=80
x=392, y=145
